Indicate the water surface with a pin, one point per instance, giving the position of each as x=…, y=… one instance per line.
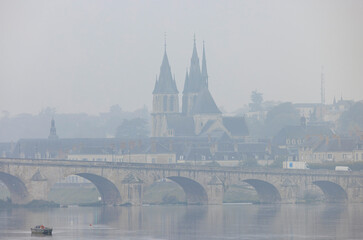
x=230, y=221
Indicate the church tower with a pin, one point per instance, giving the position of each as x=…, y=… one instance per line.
x=52, y=131
x=165, y=98
x=195, y=81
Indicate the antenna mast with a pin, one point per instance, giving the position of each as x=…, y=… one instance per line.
x=322, y=86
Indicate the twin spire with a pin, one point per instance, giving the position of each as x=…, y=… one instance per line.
x=195, y=80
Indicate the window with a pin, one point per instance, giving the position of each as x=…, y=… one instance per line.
x=153, y=160
x=170, y=132
x=330, y=156
x=287, y=141
x=171, y=104
x=170, y=160
x=203, y=157
x=165, y=103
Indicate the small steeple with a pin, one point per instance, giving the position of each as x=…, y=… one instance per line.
x=156, y=84
x=204, y=68
x=186, y=83
x=53, y=131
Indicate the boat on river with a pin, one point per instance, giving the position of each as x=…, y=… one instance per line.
x=40, y=229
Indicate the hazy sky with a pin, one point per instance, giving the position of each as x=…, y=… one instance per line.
x=84, y=56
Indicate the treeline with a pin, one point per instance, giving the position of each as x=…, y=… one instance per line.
x=80, y=125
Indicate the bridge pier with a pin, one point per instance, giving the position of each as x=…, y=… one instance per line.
x=37, y=190
x=131, y=190
x=215, y=191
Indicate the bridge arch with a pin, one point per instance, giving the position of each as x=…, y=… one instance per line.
x=333, y=192
x=16, y=187
x=267, y=193
x=194, y=191
x=109, y=192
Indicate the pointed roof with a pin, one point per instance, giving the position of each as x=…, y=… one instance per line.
x=195, y=76
x=205, y=104
x=204, y=68
x=236, y=126
x=186, y=82
x=165, y=83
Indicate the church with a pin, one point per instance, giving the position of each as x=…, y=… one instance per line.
x=199, y=115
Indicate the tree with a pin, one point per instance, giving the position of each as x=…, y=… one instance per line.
x=257, y=100
x=351, y=120
x=134, y=128
x=281, y=116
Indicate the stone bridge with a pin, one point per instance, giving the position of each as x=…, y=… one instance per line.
x=120, y=183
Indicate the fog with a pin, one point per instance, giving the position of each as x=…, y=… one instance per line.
x=85, y=56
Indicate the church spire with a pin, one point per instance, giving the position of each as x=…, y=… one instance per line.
x=195, y=57
x=166, y=83
x=53, y=131
x=204, y=68
x=195, y=76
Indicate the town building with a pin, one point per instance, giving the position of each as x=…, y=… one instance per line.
x=331, y=149
x=288, y=140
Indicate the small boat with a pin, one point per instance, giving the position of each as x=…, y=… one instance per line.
x=40, y=229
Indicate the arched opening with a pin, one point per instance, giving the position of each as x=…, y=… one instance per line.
x=74, y=190
x=194, y=192
x=162, y=192
x=85, y=189
x=109, y=192
x=241, y=192
x=332, y=191
x=178, y=190
x=16, y=188
x=267, y=193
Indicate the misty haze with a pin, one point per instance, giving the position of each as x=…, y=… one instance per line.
x=181, y=119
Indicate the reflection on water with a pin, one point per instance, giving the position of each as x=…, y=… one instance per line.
x=234, y=221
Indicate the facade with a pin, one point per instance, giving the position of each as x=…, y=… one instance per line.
x=332, y=149
x=290, y=138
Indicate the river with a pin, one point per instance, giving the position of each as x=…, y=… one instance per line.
x=229, y=221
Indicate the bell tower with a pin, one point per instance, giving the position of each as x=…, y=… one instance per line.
x=52, y=131
x=165, y=98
